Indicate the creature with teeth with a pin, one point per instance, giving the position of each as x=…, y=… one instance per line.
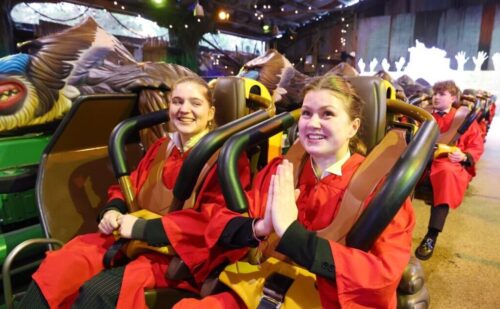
x=38, y=86
x=34, y=83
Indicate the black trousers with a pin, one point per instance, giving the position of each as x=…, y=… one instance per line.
x=99, y=292
x=102, y=290
x=438, y=217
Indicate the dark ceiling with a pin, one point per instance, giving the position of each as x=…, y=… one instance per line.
x=251, y=16
x=245, y=17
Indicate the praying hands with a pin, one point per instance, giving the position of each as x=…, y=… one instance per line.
x=281, y=209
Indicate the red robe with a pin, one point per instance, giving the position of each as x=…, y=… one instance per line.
x=363, y=279
x=483, y=126
x=449, y=180
x=63, y=271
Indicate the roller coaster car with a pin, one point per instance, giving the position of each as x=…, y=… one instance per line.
x=20, y=152
x=394, y=164
x=75, y=155
x=468, y=109
x=485, y=104
x=75, y=171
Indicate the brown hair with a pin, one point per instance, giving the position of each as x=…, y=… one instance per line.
x=208, y=95
x=199, y=81
x=447, y=85
x=451, y=87
x=354, y=105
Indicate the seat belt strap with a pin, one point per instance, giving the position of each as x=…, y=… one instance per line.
x=275, y=289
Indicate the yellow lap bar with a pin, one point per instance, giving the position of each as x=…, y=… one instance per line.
x=248, y=280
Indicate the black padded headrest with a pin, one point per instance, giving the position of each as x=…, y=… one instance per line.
x=373, y=91
x=229, y=99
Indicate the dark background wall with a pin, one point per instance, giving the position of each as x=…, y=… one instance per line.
x=469, y=26
x=386, y=29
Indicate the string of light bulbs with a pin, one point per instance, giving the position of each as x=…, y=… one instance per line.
x=57, y=19
x=87, y=12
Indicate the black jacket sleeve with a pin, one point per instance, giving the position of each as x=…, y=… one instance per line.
x=307, y=249
x=150, y=231
x=469, y=162
x=238, y=234
x=116, y=204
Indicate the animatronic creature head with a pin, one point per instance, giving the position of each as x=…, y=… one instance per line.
x=343, y=69
x=276, y=72
x=38, y=86
x=33, y=85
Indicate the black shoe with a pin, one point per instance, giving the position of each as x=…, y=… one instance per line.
x=426, y=248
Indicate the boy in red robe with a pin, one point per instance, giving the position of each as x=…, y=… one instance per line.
x=449, y=175
x=345, y=277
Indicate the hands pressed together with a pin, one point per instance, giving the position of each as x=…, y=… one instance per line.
x=281, y=209
x=114, y=220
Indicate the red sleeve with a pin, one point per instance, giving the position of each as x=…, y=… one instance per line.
x=256, y=196
x=370, y=278
x=139, y=175
x=472, y=142
x=211, y=191
x=196, y=244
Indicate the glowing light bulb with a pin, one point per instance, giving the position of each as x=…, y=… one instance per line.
x=223, y=15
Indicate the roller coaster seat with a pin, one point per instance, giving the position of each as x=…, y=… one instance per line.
x=75, y=171
x=76, y=162
x=240, y=90
x=386, y=148
x=248, y=96
x=467, y=110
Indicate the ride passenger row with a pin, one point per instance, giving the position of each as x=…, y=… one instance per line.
x=211, y=235
x=450, y=173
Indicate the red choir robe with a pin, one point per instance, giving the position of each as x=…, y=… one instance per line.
x=363, y=279
x=492, y=113
x=63, y=271
x=449, y=180
x=483, y=126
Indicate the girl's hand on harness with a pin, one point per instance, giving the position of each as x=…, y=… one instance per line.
x=284, y=209
x=457, y=156
x=126, y=223
x=109, y=222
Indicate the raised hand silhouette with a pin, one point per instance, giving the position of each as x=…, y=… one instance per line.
x=361, y=65
x=461, y=60
x=373, y=64
x=478, y=61
x=385, y=65
x=400, y=63
x=496, y=61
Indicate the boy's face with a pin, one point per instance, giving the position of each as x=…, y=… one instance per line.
x=442, y=100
